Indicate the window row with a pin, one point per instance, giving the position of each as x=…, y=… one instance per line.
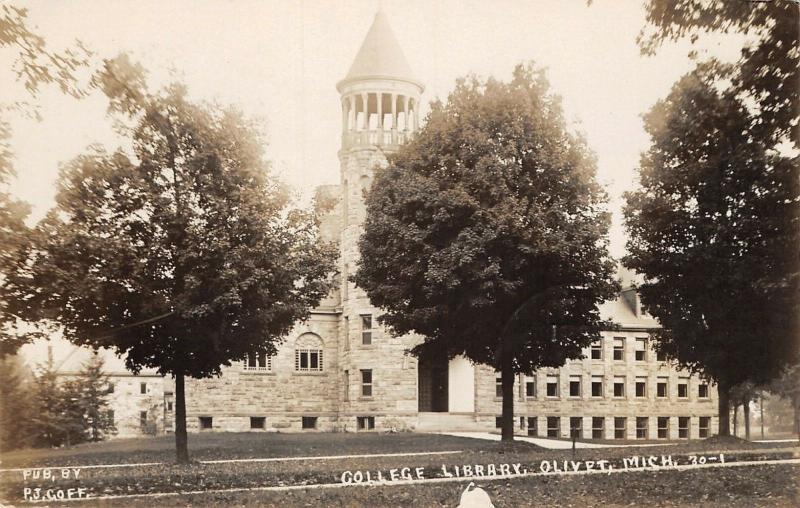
x=308, y=356
x=620, y=427
x=597, y=389
x=618, y=351
x=260, y=422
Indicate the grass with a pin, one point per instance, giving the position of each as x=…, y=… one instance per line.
x=762, y=485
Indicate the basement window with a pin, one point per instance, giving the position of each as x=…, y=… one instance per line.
x=206, y=423
x=365, y=422
x=258, y=422
x=309, y=422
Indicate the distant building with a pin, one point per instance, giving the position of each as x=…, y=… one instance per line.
x=139, y=404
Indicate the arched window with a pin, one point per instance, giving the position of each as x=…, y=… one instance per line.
x=308, y=353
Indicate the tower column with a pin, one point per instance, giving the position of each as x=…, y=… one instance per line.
x=405, y=110
x=379, y=101
x=352, y=100
x=394, y=118
x=365, y=104
x=345, y=114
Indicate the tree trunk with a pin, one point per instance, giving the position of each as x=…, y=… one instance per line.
x=747, y=420
x=507, y=380
x=181, y=438
x=736, y=420
x=761, y=401
x=724, y=411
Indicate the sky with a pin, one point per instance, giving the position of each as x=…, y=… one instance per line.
x=279, y=62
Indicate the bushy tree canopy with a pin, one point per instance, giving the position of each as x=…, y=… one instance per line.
x=182, y=255
x=486, y=234
x=714, y=229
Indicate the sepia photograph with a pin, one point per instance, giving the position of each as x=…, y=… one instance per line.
x=393, y=253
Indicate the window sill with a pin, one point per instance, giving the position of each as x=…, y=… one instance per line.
x=320, y=373
x=366, y=397
x=258, y=372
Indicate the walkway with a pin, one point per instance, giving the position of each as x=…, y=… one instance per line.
x=553, y=444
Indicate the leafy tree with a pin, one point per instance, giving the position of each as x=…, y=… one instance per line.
x=181, y=256
x=91, y=385
x=36, y=65
x=714, y=229
x=486, y=234
x=15, y=404
x=787, y=386
x=769, y=68
x=54, y=418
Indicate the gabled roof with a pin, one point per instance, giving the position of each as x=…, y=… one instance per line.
x=380, y=55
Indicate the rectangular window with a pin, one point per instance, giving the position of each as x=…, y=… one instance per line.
x=142, y=418
x=365, y=422
x=619, y=348
x=258, y=362
x=641, y=387
x=683, y=388
x=143, y=388
x=346, y=376
x=308, y=360
x=598, y=427
x=553, y=426
x=366, y=383
x=661, y=388
x=309, y=422
x=663, y=427
x=530, y=387
x=574, y=386
x=620, y=424
x=641, y=350
x=576, y=426
x=705, y=424
x=641, y=427
x=702, y=391
x=596, y=352
x=498, y=422
x=206, y=423
x=533, y=426
x=346, y=333
x=366, y=329
x=258, y=422
x=683, y=427
x=552, y=385
x=619, y=386
x=597, y=386
x=169, y=406
x=498, y=387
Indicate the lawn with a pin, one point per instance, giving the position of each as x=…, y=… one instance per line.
x=226, y=483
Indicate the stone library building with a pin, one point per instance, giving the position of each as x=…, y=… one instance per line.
x=341, y=371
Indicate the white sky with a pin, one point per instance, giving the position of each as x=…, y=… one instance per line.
x=280, y=61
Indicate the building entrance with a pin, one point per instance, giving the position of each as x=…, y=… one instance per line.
x=433, y=384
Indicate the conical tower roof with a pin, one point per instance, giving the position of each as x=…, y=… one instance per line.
x=380, y=56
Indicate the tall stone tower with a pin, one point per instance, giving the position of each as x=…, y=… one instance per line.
x=380, y=111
